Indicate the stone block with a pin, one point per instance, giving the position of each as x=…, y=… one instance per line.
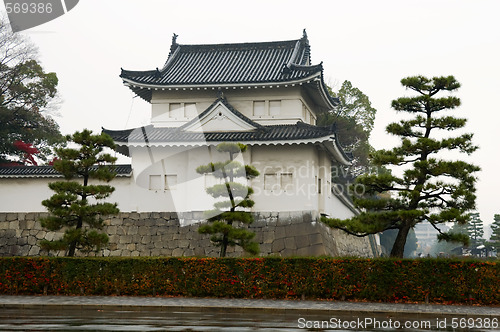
x=133, y=230
x=315, y=238
x=22, y=241
x=139, y=223
x=23, y=224
x=131, y=246
x=124, y=239
x=278, y=245
x=146, y=239
x=41, y=235
x=166, y=215
x=4, y=224
x=268, y=237
x=149, y=222
x=280, y=232
x=153, y=230
x=177, y=252
x=302, y=229
x=3, y=217
x=183, y=243
x=302, y=241
x=188, y=252
x=14, y=224
x=155, y=252
x=115, y=253
x=121, y=246
x=136, y=238
x=111, y=230
x=30, y=224
x=266, y=249
x=11, y=216
x=317, y=250
x=287, y=252
x=134, y=253
x=121, y=230
x=199, y=251
x=143, y=230
x=290, y=243
x=32, y=240
x=34, y=251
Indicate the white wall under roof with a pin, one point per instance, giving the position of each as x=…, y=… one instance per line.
x=291, y=183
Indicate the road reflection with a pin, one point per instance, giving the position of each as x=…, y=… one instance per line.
x=203, y=319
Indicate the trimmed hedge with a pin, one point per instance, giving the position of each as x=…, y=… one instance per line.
x=387, y=280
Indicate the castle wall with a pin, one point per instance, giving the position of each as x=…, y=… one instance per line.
x=168, y=234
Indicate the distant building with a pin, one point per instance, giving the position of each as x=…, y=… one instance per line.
x=427, y=236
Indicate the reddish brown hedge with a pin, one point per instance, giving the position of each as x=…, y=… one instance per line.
x=387, y=280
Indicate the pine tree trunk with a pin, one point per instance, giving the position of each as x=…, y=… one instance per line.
x=398, y=248
x=72, y=248
x=223, y=247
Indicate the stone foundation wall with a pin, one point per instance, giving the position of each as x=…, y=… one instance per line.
x=169, y=234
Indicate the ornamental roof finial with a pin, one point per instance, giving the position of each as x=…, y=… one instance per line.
x=174, y=43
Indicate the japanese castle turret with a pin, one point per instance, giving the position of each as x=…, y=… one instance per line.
x=266, y=95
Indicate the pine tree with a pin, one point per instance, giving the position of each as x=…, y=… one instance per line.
x=232, y=210
x=495, y=233
x=475, y=230
x=429, y=188
x=72, y=206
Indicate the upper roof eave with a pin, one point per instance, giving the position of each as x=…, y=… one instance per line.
x=307, y=79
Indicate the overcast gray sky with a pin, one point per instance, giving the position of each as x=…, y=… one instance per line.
x=373, y=44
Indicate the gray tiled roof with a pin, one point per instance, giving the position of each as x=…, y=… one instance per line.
x=49, y=171
x=226, y=64
x=151, y=134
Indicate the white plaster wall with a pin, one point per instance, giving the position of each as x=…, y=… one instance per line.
x=305, y=162
x=292, y=98
x=301, y=161
x=27, y=194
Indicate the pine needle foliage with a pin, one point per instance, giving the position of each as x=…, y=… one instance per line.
x=495, y=233
x=76, y=205
x=231, y=210
x=430, y=188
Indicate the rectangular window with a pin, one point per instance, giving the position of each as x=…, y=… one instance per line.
x=259, y=108
x=287, y=181
x=155, y=182
x=170, y=181
x=175, y=110
x=271, y=182
x=190, y=110
x=319, y=185
x=274, y=107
